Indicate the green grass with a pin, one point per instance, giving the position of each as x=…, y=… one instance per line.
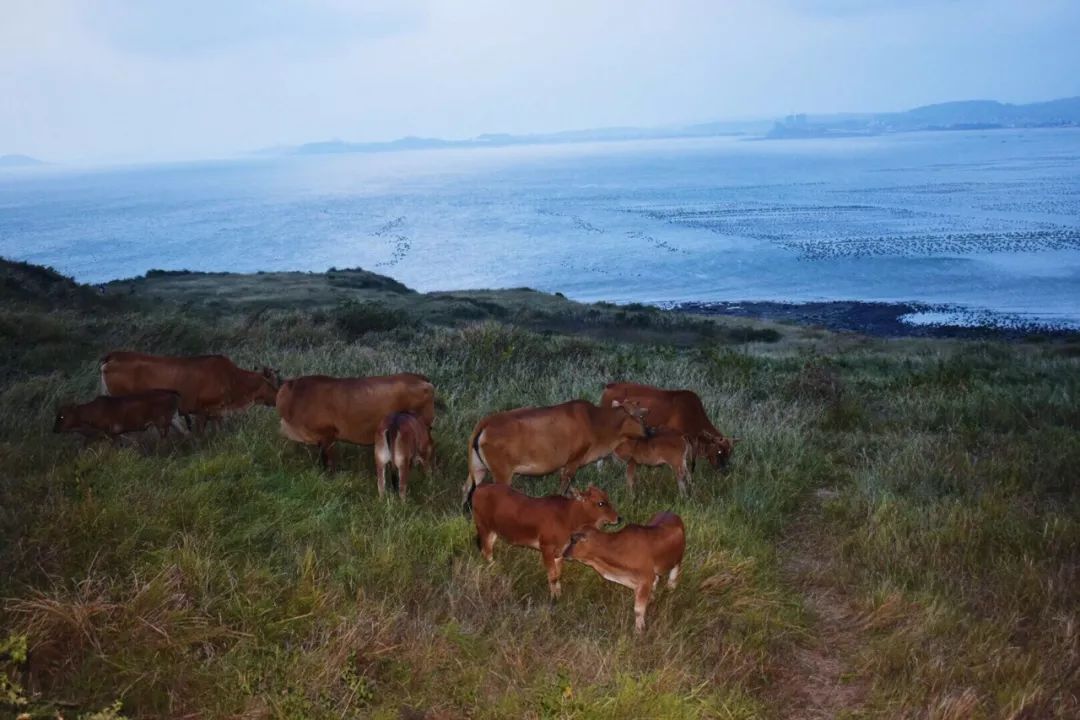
x=225, y=575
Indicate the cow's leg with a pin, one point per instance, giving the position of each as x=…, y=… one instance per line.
x=177, y=421
x=680, y=476
x=641, y=602
x=568, y=472
x=382, y=457
x=631, y=470
x=380, y=477
x=403, y=478
x=326, y=455
x=673, y=577
x=553, y=563
x=485, y=542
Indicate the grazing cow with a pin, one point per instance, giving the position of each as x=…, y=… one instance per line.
x=210, y=386
x=680, y=410
x=320, y=410
x=636, y=556
x=403, y=439
x=662, y=446
x=112, y=416
x=538, y=441
x=544, y=524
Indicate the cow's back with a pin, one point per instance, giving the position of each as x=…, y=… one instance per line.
x=540, y=438
x=681, y=410
x=201, y=381
x=317, y=408
x=669, y=541
x=517, y=517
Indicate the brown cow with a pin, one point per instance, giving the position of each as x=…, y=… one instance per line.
x=112, y=416
x=210, y=386
x=320, y=410
x=680, y=410
x=403, y=439
x=662, y=446
x=636, y=556
x=538, y=441
x=544, y=524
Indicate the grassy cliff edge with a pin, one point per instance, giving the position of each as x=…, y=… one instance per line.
x=898, y=536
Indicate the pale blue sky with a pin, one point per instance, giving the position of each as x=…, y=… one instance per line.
x=121, y=80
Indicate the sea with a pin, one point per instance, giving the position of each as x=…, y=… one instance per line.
x=974, y=227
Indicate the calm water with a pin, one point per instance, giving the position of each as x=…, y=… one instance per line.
x=985, y=220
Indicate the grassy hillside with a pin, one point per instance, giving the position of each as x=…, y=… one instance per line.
x=898, y=535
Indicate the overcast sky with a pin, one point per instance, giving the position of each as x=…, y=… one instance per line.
x=119, y=80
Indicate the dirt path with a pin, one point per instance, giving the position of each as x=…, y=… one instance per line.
x=820, y=679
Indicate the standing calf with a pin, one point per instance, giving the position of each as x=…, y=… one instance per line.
x=401, y=438
x=114, y=415
x=544, y=524
x=663, y=446
x=636, y=556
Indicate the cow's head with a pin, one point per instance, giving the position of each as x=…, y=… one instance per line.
x=267, y=387
x=633, y=421
x=716, y=448
x=65, y=418
x=579, y=548
x=596, y=508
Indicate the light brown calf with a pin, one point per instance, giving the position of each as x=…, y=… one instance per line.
x=544, y=524
x=403, y=439
x=636, y=556
x=663, y=446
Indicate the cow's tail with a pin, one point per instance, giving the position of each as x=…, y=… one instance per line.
x=476, y=467
x=101, y=372
x=391, y=437
x=688, y=456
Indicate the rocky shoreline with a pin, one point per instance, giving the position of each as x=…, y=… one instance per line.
x=881, y=319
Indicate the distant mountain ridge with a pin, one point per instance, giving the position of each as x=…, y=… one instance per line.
x=957, y=115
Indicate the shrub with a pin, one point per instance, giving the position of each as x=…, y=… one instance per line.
x=356, y=319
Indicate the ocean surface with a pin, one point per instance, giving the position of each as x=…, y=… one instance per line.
x=982, y=226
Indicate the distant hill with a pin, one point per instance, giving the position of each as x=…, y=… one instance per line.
x=960, y=115
x=506, y=139
x=19, y=161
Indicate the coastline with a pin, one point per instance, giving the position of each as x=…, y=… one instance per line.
x=879, y=319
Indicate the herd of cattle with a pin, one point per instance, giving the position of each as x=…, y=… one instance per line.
x=640, y=424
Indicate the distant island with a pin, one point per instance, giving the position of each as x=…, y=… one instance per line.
x=960, y=115
x=19, y=161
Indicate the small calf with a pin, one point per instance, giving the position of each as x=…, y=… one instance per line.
x=636, y=556
x=113, y=415
x=544, y=524
x=663, y=446
x=404, y=439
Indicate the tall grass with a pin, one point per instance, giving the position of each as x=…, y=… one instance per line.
x=225, y=575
